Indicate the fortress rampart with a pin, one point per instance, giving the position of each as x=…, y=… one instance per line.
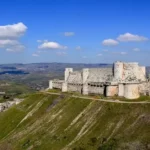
x=123, y=79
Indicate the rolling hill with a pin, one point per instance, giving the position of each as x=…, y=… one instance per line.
x=51, y=122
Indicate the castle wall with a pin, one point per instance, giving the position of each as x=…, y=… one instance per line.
x=94, y=89
x=131, y=91
x=50, y=84
x=99, y=75
x=75, y=88
x=142, y=73
x=57, y=84
x=85, y=74
x=75, y=77
x=126, y=79
x=118, y=70
x=144, y=88
x=121, y=90
x=111, y=90
x=67, y=72
x=64, y=87
x=85, y=89
x=129, y=72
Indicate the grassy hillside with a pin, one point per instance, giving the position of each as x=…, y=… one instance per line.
x=14, y=88
x=50, y=122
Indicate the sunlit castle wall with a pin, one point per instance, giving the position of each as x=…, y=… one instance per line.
x=118, y=70
x=127, y=71
x=131, y=70
x=85, y=74
x=67, y=72
x=142, y=73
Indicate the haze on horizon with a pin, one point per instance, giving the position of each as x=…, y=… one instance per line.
x=74, y=31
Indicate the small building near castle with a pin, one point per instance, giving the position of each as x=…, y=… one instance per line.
x=123, y=79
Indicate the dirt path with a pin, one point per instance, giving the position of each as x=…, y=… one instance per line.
x=109, y=101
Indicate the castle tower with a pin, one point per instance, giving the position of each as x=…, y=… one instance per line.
x=64, y=87
x=51, y=84
x=142, y=73
x=131, y=91
x=143, y=68
x=118, y=70
x=133, y=68
x=85, y=74
x=67, y=72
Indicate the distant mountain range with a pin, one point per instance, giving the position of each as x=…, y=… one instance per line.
x=44, y=67
x=47, y=67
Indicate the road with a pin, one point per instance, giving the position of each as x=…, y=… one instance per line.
x=102, y=100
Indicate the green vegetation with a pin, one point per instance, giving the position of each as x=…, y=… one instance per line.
x=141, y=98
x=54, y=91
x=51, y=122
x=12, y=88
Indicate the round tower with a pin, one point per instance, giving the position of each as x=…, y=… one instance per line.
x=131, y=91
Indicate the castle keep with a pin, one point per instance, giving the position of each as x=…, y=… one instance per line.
x=123, y=79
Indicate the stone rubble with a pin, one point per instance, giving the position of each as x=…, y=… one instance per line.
x=5, y=105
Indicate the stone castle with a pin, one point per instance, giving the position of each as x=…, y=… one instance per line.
x=123, y=79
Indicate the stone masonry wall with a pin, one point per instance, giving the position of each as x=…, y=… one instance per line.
x=144, y=88
x=57, y=85
x=75, y=88
x=96, y=89
x=129, y=72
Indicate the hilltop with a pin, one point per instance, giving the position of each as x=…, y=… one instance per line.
x=54, y=122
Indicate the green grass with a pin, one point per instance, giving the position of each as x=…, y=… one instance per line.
x=58, y=121
x=15, y=88
x=2, y=99
x=54, y=90
x=141, y=98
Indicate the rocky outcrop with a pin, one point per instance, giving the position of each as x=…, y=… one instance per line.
x=4, y=106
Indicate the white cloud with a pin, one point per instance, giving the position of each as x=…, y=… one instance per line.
x=39, y=51
x=12, y=31
x=120, y=53
x=110, y=42
x=69, y=34
x=78, y=48
x=35, y=55
x=61, y=53
x=123, y=53
x=8, y=42
x=16, y=48
x=128, y=37
x=136, y=49
x=9, y=37
x=51, y=45
x=39, y=41
x=99, y=54
x=84, y=57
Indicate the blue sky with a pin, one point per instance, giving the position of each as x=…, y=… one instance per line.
x=76, y=31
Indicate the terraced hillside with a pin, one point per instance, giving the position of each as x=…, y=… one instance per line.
x=51, y=122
